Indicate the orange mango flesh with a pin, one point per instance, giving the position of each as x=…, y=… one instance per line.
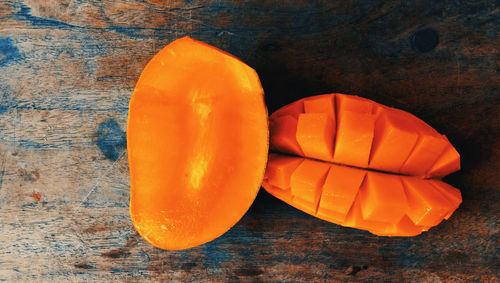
x=339, y=191
x=429, y=147
x=382, y=198
x=405, y=227
x=427, y=150
x=403, y=197
x=355, y=127
x=354, y=138
x=280, y=169
x=358, y=198
x=355, y=219
x=293, y=109
x=306, y=184
x=315, y=133
x=321, y=104
x=447, y=163
x=428, y=206
x=283, y=139
x=353, y=103
x=452, y=194
x=193, y=173
x=392, y=138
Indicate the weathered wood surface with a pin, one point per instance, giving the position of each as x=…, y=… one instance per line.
x=67, y=70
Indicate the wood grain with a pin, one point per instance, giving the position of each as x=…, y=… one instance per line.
x=68, y=68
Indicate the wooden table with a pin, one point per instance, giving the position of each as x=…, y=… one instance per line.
x=68, y=68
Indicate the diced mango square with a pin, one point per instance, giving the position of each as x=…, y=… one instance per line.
x=353, y=103
x=392, y=143
x=292, y=109
x=283, y=131
x=284, y=195
x=280, y=168
x=339, y=191
x=307, y=181
x=448, y=162
x=424, y=155
x=404, y=228
x=383, y=198
x=354, y=138
x=315, y=135
x=451, y=193
x=355, y=219
x=426, y=205
x=320, y=104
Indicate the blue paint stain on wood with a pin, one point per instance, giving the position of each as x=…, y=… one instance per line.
x=111, y=140
x=132, y=32
x=24, y=14
x=215, y=255
x=3, y=108
x=8, y=53
x=33, y=144
x=91, y=65
x=115, y=270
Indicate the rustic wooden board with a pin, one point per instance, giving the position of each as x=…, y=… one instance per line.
x=68, y=68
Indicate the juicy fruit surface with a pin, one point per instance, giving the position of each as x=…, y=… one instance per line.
x=360, y=164
x=197, y=144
